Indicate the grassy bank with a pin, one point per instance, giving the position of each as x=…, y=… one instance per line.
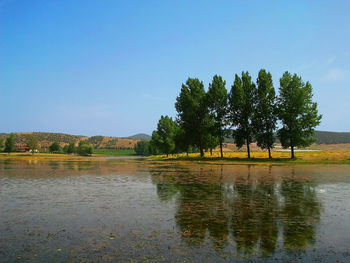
x=326, y=157
x=114, y=152
x=329, y=157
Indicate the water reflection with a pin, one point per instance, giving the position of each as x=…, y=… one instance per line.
x=250, y=212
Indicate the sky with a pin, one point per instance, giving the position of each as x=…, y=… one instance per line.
x=114, y=67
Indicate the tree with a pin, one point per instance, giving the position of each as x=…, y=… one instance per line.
x=217, y=103
x=33, y=144
x=84, y=148
x=193, y=113
x=54, y=147
x=241, y=110
x=164, y=136
x=10, y=144
x=211, y=142
x=142, y=148
x=1, y=144
x=69, y=148
x=182, y=142
x=265, y=116
x=297, y=112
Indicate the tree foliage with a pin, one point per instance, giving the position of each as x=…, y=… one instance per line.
x=142, y=148
x=217, y=104
x=33, y=143
x=1, y=144
x=69, y=148
x=265, y=116
x=10, y=144
x=163, y=139
x=84, y=148
x=54, y=147
x=193, y=113
x=241, y=110
x=297, y=112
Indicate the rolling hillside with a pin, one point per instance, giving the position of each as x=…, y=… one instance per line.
x=103, y=142
x=322, y=137
x=46, y=139
x=140, y=136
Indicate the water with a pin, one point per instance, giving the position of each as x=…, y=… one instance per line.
x=135, y=211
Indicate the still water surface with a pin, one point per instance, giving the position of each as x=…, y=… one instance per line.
x=134, y=211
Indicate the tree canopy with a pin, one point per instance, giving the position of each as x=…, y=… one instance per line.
x=250, y=112
x=217, y=104
x=33, y=143
x=10, y=144
x=193, y=113
x=297, y=112
x=265, y=116
x=241, y=110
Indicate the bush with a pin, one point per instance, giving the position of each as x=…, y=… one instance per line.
x=84, y=148
x=54, y=147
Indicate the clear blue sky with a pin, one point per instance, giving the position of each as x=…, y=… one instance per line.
x=113, y=67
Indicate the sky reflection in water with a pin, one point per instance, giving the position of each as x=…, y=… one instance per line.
x=122, y=210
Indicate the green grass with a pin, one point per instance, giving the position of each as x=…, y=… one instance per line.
x=114, y=152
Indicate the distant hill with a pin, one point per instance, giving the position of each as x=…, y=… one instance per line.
x=323, y=137
x=45, y=139
x=140, y=136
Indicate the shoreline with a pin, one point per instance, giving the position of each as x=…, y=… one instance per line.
x=324, y=157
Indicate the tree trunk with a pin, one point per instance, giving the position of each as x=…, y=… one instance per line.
x=248, y=149
x=202, y=152
x=292, y=152
x=221, y=153
x=270, y=153
x=211, y=151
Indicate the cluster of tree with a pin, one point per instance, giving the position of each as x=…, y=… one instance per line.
x=249, y=113
x=84, y=148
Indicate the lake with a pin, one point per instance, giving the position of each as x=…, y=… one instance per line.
x=137, y=211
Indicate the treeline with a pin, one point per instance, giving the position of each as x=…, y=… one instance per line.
x=248, y=113
x=32, y=145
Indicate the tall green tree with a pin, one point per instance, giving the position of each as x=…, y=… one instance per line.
x=297, y=112
x=10, y=144
x=241, y=110
x=265, y=116
x=33, y=143
x=164, y=137
x=193, y=113
x=217, y=103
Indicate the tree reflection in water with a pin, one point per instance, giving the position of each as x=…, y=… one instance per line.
x=253, y=213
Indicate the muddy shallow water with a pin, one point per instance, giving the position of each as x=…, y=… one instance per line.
x=134, y=211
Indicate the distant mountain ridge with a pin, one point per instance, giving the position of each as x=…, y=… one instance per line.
x=47, y=138
x=140, y=136
x=323, y=137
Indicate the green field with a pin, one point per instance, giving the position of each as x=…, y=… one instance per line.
x=115, y=152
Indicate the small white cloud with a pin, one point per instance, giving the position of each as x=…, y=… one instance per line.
x=336, y=75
